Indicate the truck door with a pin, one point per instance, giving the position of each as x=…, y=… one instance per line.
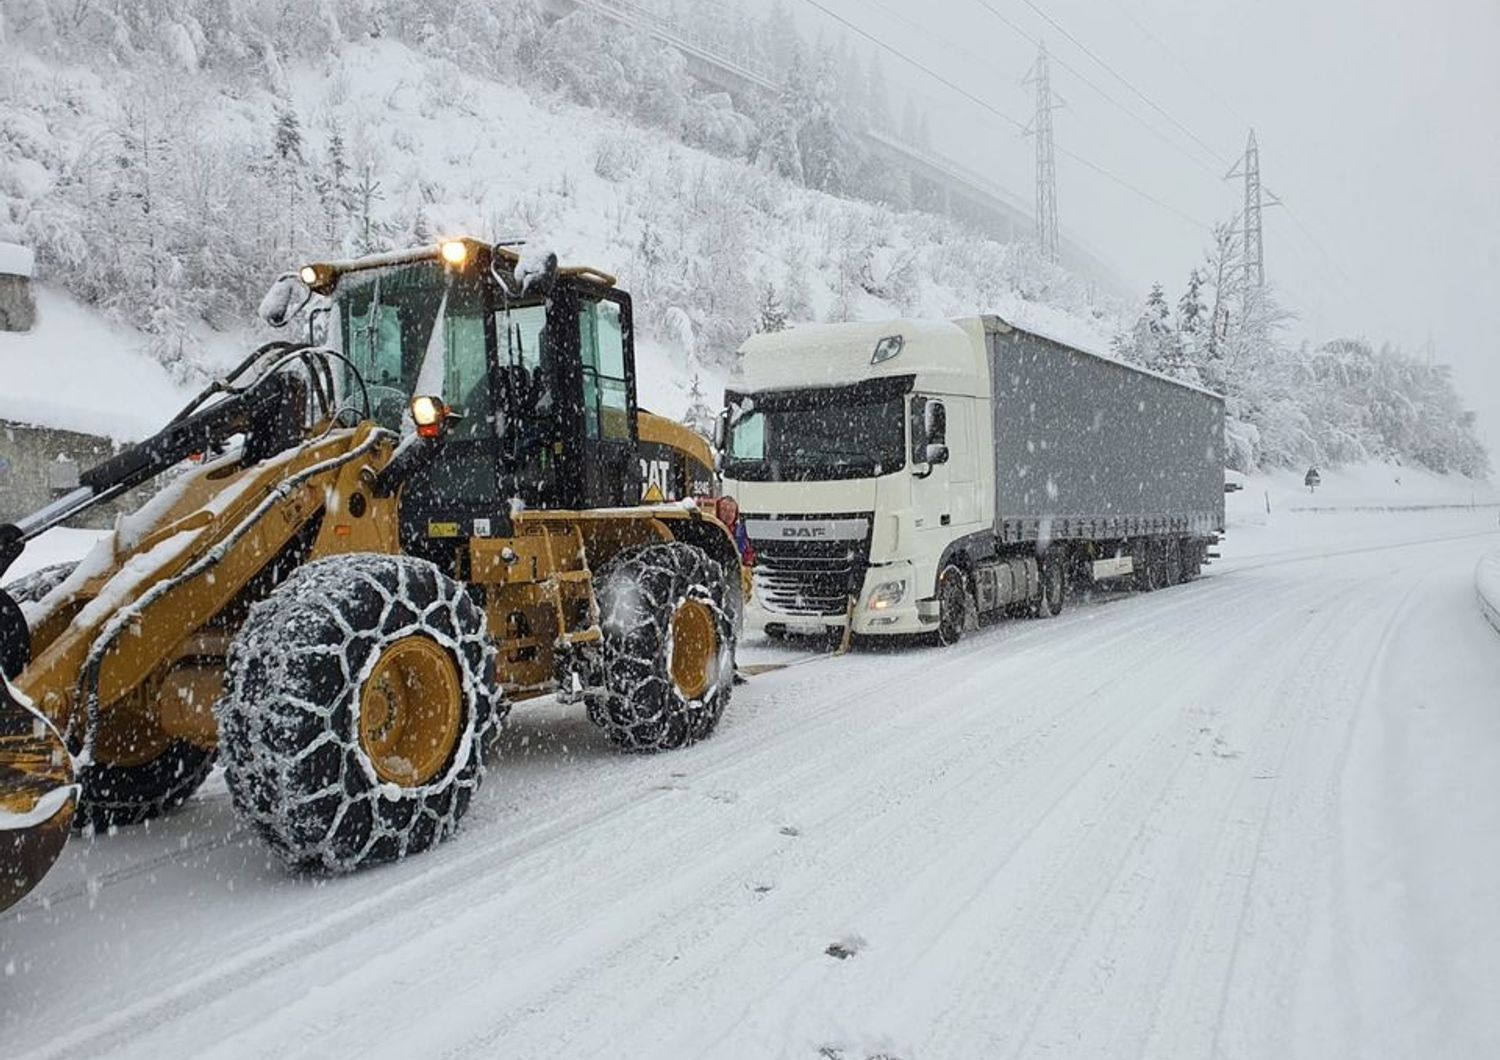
x=931, y=492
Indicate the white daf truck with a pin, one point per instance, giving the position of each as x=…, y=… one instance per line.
x=911, y=477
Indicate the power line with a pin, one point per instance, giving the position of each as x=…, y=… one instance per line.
x=1182, y=65
x=997, y=112
x=1036, y=42
x=1124, y=80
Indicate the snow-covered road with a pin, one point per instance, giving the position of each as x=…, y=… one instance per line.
x=1258, y=815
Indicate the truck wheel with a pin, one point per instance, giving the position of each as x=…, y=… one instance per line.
x=1054, y=582
x=953, y=606
x=361, y=695
x=118, y=795
x=668, y=650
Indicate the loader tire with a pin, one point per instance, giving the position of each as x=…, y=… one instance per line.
x=114, y=796
x=15, y=638
x=668, y=647
x=361, y=696
x=37, y=584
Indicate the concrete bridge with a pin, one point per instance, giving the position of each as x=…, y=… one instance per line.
x=940, y=182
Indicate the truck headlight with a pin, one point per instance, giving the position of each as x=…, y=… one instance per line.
x=886, y=595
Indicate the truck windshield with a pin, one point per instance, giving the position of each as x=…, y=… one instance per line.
x=807, y=441
x=417, y=326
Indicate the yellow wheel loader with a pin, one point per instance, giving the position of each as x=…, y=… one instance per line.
x=367, y=548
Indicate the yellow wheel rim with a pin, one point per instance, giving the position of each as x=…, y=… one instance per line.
x=695, y=648
x=410, y=711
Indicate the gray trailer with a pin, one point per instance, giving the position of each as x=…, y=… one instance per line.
x=1090, y=449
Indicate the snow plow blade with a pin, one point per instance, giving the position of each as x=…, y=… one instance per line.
x=37, y=796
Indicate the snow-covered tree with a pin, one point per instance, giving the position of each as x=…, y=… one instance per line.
x=699, y=416
x=772, y=312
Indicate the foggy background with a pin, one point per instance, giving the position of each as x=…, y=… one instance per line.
x=1377, y=124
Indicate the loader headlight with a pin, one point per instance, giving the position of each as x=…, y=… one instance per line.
x=430, y=415
x=886, y=595
x=455, y=252
x=319, y=278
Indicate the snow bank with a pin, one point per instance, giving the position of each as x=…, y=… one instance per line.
x=1361, y=487
x=84, y=374
x=1487, y=586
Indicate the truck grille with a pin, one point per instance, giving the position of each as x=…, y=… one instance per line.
x=809, y=577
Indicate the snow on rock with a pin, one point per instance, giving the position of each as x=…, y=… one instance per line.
x=1487, y=587
x=16, y=260
x=84, y=374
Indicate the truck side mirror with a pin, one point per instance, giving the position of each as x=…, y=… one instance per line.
x=937, y=453
x=721, y=429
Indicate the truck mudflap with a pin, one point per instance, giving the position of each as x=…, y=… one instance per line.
x=38, y=795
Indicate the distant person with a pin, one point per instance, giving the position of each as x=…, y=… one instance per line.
x=1312, y=479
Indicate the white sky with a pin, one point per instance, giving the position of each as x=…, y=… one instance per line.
x=1378, y=122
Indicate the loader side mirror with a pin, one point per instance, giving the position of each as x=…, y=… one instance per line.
x=286, y=298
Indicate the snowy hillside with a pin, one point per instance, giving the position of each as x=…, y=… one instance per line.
x=378, y=145
x=166, y=159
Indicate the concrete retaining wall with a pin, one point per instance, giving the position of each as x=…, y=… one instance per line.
x=39, y=464
x=1487, y=587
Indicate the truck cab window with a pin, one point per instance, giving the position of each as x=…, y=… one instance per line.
x=606, y=391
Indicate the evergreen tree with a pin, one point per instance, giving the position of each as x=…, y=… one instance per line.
x=699, y=416
x=772, y=312
x=286, y=136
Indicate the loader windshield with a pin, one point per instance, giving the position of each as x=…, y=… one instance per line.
x=418, y=328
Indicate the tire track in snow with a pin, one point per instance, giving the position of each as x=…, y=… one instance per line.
x=273, y=956
x=741, y=747
x=856, y=837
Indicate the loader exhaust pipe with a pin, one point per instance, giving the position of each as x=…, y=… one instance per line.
x=38, y=795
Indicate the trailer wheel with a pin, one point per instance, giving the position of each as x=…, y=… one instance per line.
x=1143, y=556
x=1192, y=559
x=1054, y=581
x=953, y=605
x=361, y=696
x=668, y=649
x=1171, y=550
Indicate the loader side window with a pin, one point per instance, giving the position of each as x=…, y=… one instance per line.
x=606, y=390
